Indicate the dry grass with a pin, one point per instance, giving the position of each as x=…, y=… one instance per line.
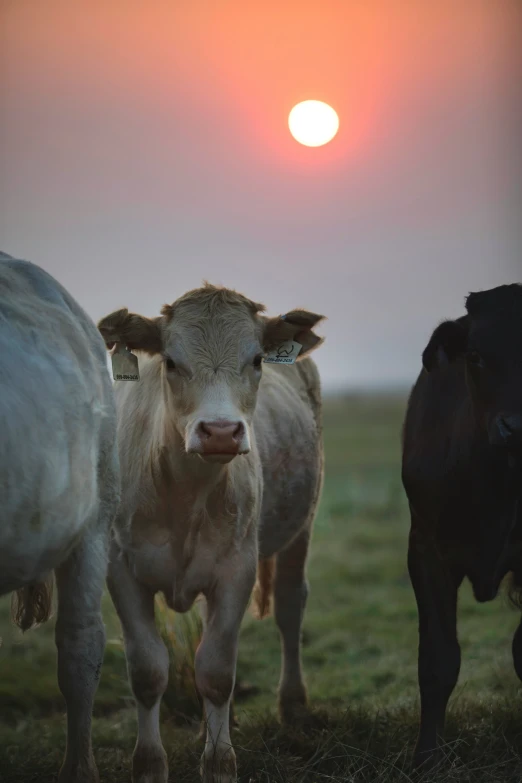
x=356, y=746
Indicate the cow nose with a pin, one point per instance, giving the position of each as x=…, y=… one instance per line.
x=221, y=437
x=509, y=427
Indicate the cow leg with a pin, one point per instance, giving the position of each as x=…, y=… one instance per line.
x=290, y=596
x=80, y=641
x=147, y=664
x=231, y=713
x=436, y=589
x=215, y=666
x=517, y=650
x=232, y=720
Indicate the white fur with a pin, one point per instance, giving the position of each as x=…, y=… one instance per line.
x=60, y=478
x=188, y=527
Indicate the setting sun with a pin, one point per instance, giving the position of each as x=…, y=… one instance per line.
x=313, y=123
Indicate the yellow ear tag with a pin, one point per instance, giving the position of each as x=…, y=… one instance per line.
x=124, y=364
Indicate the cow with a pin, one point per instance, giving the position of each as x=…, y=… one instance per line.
x=462, y=472
x=222, y=465
x=60, y=483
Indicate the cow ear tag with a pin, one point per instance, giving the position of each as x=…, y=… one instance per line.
x=124, y=364
x=285, y=353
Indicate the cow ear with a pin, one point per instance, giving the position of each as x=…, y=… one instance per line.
x=134, y=331
x=296, y=325
x=447, y=342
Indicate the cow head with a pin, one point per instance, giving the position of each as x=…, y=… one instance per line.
x=211, y=344
x=489, y=340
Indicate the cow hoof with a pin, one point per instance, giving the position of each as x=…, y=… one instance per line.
x=293, y=706
x=149, y=765
x=425, y=760
x=83, y=772
x=219, y=770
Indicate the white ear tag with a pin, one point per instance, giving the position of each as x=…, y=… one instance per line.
x=286, y=353
x=124, y=364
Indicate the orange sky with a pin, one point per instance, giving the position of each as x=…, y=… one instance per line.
x=159, y=128
x=255, y=60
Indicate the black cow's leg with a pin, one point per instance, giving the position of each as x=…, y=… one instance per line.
x=516, y=648
x=436, y=590
x=516, y=595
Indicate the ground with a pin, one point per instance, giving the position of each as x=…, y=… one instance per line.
x=360, y=646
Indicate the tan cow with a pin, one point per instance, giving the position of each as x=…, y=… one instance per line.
x=59, y=482
x=222, y=464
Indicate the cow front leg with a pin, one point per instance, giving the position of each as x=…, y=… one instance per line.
x=516, y=649
x=436, y=588
x=290, y=595
x=232, y=720
x=80, y=641
x=147, y=664
x=215, y=666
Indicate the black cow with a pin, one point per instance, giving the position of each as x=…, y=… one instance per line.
x=462, y=472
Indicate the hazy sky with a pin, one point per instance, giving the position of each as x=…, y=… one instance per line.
x=144, y=147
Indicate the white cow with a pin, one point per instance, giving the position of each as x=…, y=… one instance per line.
x=60, y=482
x=222, y=464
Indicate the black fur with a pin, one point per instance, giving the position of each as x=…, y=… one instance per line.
x=462, y=472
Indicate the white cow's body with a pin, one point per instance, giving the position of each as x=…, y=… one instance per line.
x=59, y=479
x=192, y=523
x=201, y=514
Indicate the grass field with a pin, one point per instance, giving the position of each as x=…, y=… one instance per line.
x=360, y=645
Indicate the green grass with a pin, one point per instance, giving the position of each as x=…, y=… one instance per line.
x=360, y=646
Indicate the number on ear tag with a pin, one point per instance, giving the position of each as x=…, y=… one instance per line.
x=286, y=353
x=124, y=365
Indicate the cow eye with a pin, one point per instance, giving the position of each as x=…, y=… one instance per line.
x=258, y=360
x=169, y=364
x=475, y=358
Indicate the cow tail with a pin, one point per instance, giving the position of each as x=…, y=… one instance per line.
x=263, y=587
x=33, y=604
